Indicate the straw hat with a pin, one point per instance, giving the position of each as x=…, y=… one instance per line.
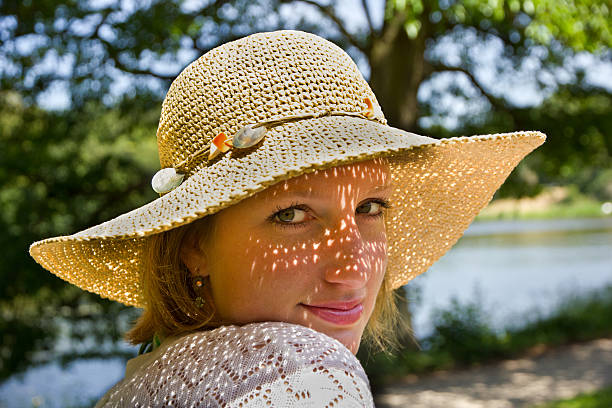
x=269, y=107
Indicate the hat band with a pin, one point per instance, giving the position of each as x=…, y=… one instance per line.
x=249, y=135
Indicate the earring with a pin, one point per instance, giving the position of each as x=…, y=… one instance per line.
x=198, y=282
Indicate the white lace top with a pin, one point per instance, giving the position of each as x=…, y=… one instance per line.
x=269, y=364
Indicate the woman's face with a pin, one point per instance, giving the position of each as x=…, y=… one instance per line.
x=310, y=250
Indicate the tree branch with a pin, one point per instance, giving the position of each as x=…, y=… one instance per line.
x=497, y=103
x=136, y=71
x=208, y=9
x=329, y=12
x=96, y=31
x=368, y=17
x=194, y=43
x=113, y=53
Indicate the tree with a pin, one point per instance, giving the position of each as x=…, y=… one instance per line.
x=155, y=41
x=404, y=52
x=578, y=117
x=54, y=185
x=88, y=50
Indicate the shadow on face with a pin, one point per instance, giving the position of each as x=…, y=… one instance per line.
x=310, y=250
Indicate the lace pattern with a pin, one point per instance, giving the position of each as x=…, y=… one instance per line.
x=269, y=364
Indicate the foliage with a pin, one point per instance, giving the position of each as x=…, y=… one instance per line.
x=578, y=121
x=61, y=325
x=67, y=170
x=462, y=332
x=101, y=160
x=596, y=399
x=578, y=149
x=62, y=172
x=90, y=45
x=146, y=45
x=521, y=26
x=574, y=205
x=581, y=25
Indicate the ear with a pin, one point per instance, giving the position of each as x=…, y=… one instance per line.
x=193, y=257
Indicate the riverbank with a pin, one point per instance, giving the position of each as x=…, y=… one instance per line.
x=463, y=339
x=466, y=363
x=540, y=376
x=552, y=202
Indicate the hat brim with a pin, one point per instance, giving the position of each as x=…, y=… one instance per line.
x=439, y=188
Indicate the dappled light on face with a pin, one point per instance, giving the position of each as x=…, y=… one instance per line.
x=327, y=252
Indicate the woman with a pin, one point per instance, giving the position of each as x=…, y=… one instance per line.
x=288, y=213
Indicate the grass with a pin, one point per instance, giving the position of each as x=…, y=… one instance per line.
x=463, y=337
x=553, y=202
x=597, y=399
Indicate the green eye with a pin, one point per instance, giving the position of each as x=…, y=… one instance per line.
x=368, y=207
x=294, y=215
x=289, y=214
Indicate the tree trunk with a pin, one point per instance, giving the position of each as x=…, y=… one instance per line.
x=397, y=70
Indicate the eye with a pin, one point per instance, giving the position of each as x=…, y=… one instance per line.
x=290, y=214
x=294, y=215
x=369, y=206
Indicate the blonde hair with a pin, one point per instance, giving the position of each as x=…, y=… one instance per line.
x=170, y=308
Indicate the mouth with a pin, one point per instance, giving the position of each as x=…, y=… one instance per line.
x=338, y=313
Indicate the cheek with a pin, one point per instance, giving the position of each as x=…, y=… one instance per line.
x=375, y=283
x=253, y=279
x=258, y=284
x=379, y=257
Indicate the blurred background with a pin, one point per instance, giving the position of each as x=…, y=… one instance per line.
x=81, y=89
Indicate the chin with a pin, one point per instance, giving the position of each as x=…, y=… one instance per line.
x=350, y=338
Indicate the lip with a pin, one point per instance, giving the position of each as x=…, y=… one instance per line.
x=339, y=313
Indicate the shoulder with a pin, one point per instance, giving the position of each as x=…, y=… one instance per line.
x=288, y=364
x=292, y=365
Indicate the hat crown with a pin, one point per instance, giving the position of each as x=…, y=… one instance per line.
x=257, y=78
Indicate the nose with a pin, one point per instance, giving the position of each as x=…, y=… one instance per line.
x=351, y=259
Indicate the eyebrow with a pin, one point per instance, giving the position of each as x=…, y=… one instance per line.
x=319, y=193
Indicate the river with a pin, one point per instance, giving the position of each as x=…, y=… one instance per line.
x=514, y=269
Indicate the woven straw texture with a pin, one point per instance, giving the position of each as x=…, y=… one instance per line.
x=440, y=185
x=256, y=365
